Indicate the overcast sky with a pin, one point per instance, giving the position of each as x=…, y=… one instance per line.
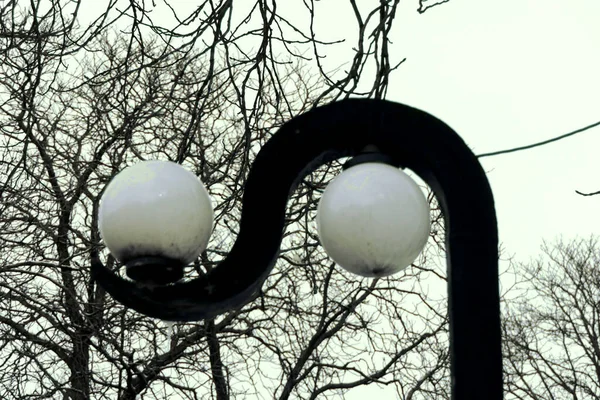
x=504, y=73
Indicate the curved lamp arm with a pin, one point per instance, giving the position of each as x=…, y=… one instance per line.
x=413, y=139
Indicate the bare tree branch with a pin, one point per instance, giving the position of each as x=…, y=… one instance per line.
x=86, y=92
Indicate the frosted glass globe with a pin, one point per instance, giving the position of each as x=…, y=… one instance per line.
x=156, y=208
x=373, y=220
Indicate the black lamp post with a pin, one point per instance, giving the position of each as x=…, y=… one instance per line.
x=405, y=137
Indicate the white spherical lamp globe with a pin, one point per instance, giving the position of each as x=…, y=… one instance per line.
x=373, y=220
x=156, y=209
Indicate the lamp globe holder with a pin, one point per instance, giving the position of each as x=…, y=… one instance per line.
x=155, y=217
x=412, y=138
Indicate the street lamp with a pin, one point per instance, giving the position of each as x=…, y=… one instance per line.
x=373, y=219
x=381, y=136
x=156, y=218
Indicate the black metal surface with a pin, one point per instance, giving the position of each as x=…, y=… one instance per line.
x=369, y=157
x=421, y=143
x=154, y=270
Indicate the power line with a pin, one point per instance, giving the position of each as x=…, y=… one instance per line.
x=566, y=135
x=587, y=194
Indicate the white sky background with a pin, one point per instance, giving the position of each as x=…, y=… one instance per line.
x=502, y=73
x=507, y=73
